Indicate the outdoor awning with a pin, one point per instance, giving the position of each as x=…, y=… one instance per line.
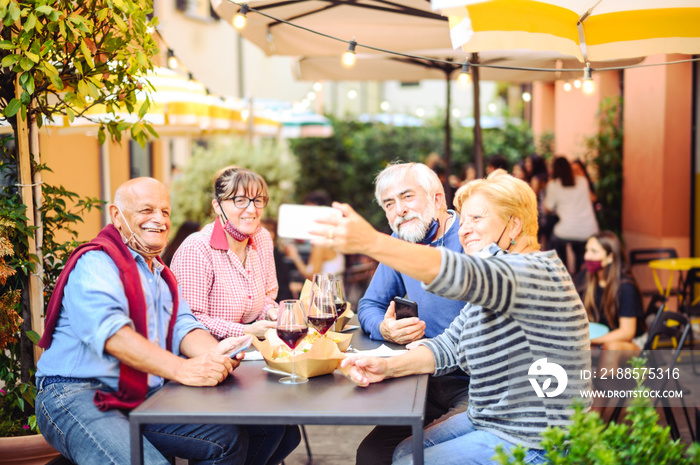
x=590, y=30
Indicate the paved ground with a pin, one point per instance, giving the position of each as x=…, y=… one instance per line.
x=330, y=445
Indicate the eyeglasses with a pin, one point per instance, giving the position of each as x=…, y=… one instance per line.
x=242, y=202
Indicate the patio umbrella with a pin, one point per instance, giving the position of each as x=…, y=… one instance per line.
x=296, y=122
x=405, y=25
x=586, y=29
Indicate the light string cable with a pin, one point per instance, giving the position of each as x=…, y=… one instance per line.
x=448, y=62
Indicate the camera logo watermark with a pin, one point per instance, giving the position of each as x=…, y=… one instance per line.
x=543, y=368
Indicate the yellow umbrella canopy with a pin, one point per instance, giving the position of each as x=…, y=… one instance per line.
x=590, y=30
x=179, y=105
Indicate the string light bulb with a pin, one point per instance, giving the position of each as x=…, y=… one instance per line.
x=464, y=77
x=567, y=86
x=240, y=20
x=577, y=83
x=588, y=83
x=349, y=55
x=172, y=60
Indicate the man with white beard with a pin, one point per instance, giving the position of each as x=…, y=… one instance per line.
x=413, y=200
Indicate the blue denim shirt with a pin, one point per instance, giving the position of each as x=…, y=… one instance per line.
x=94, y=308
x=387, y=283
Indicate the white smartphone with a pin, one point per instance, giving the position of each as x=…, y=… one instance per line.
x=241, y=347
x=295, y=221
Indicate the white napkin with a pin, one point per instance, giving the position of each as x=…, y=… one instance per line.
x=253, y=355
x=381, y=351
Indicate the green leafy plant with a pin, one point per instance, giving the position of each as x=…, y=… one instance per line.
x=346, y=164
x=17, y=397
x=192, y=192
x=71, y=57
x=640, y=440
x=605, y=152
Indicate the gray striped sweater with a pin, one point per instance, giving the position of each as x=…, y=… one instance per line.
x=523, y=307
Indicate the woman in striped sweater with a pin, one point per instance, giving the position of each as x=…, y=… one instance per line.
x=523, y=310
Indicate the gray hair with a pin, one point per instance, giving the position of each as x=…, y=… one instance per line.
x=397, y=173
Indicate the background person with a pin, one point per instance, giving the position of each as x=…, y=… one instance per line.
x=520, y=300
x=282, y=270
x=116, y=328
x=610, y=293
x=227, y=270
x=187, y=228
x=569, y=197
x=412, y=198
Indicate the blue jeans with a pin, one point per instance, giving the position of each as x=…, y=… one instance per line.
x=456, y=441
x=72, y=424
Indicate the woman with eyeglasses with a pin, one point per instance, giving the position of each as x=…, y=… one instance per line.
x=227, y=275
x=227, y=270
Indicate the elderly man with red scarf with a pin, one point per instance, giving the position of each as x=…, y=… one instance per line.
x=116, y=329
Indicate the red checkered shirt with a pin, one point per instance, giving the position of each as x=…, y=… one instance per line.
x=222, y=293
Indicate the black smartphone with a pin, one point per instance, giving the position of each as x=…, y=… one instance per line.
x=405, y=308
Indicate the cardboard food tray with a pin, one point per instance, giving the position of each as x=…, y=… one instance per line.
x=323, y=357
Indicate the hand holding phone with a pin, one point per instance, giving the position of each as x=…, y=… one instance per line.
x=405, y=308
x=240, y=347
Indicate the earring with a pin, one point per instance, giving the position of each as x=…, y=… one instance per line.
x=512, y=241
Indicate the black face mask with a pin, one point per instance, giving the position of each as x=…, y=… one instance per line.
x=493, y=249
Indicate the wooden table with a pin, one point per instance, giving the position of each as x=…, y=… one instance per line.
x=252, y=396
x=672, y=264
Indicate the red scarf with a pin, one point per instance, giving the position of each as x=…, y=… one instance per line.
x=133, y=384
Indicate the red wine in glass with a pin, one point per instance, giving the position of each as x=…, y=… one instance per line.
x=340, y=307
x=292, y=328
x=292, y=335
x=322, y=323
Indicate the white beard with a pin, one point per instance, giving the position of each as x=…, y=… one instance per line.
x=414, y=232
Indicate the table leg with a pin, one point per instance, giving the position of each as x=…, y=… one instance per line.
x=417, y=443
x=665, y=292
x=136, y=440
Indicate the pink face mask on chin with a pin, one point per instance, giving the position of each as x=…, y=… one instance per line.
x=236, y=233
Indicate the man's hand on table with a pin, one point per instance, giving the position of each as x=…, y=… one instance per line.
x=400, y=331
x=213, y=367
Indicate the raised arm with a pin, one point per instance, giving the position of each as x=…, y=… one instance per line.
x=352, y=234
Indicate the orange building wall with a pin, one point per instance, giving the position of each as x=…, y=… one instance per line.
x=657, y=151
x=75, y=162
x=576, y=113
x=542, y=114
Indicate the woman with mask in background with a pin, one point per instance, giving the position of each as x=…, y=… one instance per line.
x=610, y=293
x=227, y=270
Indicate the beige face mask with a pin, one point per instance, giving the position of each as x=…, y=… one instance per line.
x=137, y=244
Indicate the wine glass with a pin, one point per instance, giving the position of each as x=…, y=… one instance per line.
x=292, y=328
x=338, y=299
x=321, y=314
